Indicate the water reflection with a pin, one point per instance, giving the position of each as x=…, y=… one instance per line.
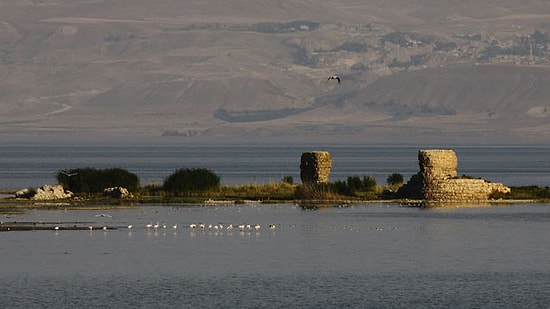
x=321, y=205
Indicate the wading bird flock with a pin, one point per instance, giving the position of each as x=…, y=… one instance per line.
x=211, y=227
x=192, y=227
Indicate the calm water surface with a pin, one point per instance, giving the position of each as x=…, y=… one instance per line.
x=362, y=256
x=24, y=165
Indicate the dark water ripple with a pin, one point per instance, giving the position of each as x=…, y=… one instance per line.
x=434, y=290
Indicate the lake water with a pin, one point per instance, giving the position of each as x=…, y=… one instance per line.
x=361, y=256
x=24, y=165
x=373, y=255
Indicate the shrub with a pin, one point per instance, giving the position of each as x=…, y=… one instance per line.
x=354, y=185
x=394, y=179
x=91, y=180
x=288, y=179
x=185, y=181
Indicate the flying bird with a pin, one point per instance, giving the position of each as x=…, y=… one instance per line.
x=336, y=77
x=68, y=173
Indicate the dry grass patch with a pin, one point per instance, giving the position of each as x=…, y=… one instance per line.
x=277, y=191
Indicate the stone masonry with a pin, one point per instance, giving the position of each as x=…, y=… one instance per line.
x=438, y=181
x=315, y=167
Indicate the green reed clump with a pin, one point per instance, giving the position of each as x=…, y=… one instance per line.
x=91, y=180
x=270, y=191
x=524, y=193
x=184, y=182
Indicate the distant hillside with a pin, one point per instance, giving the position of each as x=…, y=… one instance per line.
x=246, y=70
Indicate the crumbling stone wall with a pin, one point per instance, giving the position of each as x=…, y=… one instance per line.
x=315, y=167
x=461, y=189
x=438, y=181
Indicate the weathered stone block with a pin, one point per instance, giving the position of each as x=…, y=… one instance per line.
x=438, y=163
x=315, y=167
x=438, y=181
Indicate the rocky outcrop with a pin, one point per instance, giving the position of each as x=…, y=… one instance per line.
x=438, y=180
x=116, y=192
x=46, y=192
x=315, y=167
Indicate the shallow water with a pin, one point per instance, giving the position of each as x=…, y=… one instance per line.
x=365, y=255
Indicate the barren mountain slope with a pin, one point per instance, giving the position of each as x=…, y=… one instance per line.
x=256, y=70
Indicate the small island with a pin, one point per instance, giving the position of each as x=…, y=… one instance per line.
x=437, y=183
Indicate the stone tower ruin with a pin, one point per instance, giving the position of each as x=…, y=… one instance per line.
x=438, y=180
x=315, y=167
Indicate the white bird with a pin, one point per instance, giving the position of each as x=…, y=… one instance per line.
x=192, y=226
x=105, y=228
x=336, y=77
x=230, y=227
x=156, y=226
x=68, y=173
x=56, y=228
x=257, y=227
x=149, y=225
x=175, y=226
x=90, y=228
x=104, y=215
x=130, y=226
x=272, y=226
